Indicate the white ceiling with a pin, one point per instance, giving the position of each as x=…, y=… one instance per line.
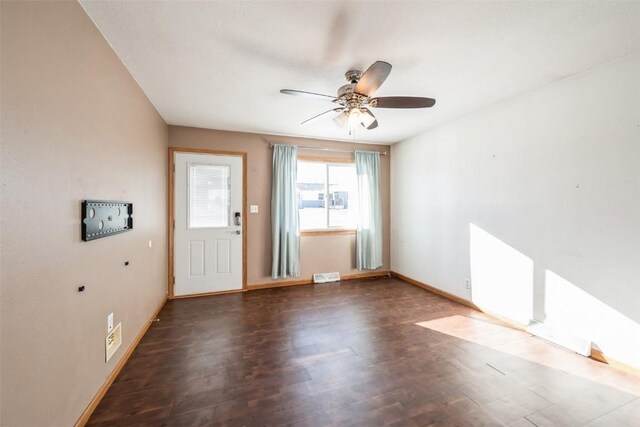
x=221, y=64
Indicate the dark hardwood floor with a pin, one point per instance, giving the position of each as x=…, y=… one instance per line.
x=362, y=353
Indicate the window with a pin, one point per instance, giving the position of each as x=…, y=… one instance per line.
x=208, y=196
x=327, y=195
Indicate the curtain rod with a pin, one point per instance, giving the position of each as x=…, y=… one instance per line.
x=311, y=147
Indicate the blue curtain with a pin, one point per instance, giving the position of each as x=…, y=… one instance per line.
x=369, y=233
x=284, y=213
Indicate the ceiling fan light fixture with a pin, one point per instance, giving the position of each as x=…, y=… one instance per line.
x=355, y=114
x=355, y=118
x=341, y=119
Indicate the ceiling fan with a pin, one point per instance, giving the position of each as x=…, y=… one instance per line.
x=356, y=97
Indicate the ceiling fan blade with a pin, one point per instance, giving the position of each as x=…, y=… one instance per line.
x=373, y=78
x=402, y=102
x=342, y=119
x=307, y=94
x=372, y=125
x=318, y=115
x=369, y=121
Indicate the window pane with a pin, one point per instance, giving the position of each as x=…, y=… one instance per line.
x=311, y=201
x=208, y=196
x=343, y=192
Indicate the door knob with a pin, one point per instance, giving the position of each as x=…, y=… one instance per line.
x=237, y=231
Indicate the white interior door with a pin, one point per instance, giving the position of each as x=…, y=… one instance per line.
x=208, y=223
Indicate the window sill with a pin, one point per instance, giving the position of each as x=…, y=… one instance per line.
x=326, y=232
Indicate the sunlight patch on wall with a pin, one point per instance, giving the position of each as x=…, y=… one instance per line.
x=501, y=277
x=573, y=311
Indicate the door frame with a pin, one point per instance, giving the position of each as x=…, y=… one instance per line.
x=171, y=226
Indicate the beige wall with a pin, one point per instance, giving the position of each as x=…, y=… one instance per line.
x=317, y=253
x=75, y=125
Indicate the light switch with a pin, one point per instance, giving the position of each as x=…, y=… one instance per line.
x=253, y=209
x=110, y=323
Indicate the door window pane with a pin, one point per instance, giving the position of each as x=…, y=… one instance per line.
x=311, y=186
x=343, y=192
x=209, y=196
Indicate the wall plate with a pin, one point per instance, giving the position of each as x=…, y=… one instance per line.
x=113, y=341
x=103, y=218
x=110, y=323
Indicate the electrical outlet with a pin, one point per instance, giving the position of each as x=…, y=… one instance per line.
x=110, y=323
x=253, y=208
x=467, y=283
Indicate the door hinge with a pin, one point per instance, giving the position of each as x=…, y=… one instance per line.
x=174, y=167
x=174, y=280
x=174, y=224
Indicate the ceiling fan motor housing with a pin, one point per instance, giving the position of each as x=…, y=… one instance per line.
x=353, y=76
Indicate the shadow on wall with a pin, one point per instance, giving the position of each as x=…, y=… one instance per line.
x=504, y=284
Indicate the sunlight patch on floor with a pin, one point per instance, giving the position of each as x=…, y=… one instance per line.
x=495, y=335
